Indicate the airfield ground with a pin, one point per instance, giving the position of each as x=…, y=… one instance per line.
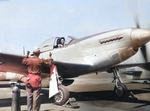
x=92, y=92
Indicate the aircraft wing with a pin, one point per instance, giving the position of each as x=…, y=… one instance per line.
x=70, y=70
x=12, y=63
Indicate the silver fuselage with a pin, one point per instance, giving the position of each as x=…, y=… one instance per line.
x=100, y=51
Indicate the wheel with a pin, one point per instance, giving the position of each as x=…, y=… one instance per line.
x=145, y=82
x=121, y=90
x=62, y=96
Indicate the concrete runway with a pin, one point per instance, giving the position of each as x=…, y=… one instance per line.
x=92, y=92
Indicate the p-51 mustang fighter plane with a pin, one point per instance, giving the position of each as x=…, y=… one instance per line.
x=99, y=52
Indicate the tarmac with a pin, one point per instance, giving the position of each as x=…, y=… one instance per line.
x=92, y=92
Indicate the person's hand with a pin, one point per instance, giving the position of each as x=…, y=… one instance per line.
x=50, y=54
x=28, y=52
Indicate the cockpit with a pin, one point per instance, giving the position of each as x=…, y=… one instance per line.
x=59, y=42
x=56, y=42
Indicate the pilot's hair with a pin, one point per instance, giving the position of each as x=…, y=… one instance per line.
x=59, y=40
x=62, y=38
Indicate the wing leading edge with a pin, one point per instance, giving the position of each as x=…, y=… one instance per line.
x=13, y=63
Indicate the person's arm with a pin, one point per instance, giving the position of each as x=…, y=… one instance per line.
x=49, y=61
x=23, y=79
x=24, y=61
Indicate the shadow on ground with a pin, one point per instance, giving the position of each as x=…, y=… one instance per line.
x=80, y=96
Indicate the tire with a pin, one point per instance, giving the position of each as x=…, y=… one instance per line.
x=121, y=91
x=145, y=82
x=62, y=96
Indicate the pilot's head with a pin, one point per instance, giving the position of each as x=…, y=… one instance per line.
x=62, y=41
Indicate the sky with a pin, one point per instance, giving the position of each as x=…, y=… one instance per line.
x=28, y=23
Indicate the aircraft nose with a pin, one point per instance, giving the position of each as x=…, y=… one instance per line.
x=140, y=37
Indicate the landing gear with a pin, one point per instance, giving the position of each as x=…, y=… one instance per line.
x=120, y=88
x=62, y=96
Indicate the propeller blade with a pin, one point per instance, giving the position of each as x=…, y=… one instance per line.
x=148, y=51
x=143, y=49
x=136, y=19
x=134, y=12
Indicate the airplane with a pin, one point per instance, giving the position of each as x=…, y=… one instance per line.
x=74, y=57
x=136, y=74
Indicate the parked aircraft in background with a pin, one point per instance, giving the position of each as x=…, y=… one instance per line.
x=140, y=61
x=75, y=57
